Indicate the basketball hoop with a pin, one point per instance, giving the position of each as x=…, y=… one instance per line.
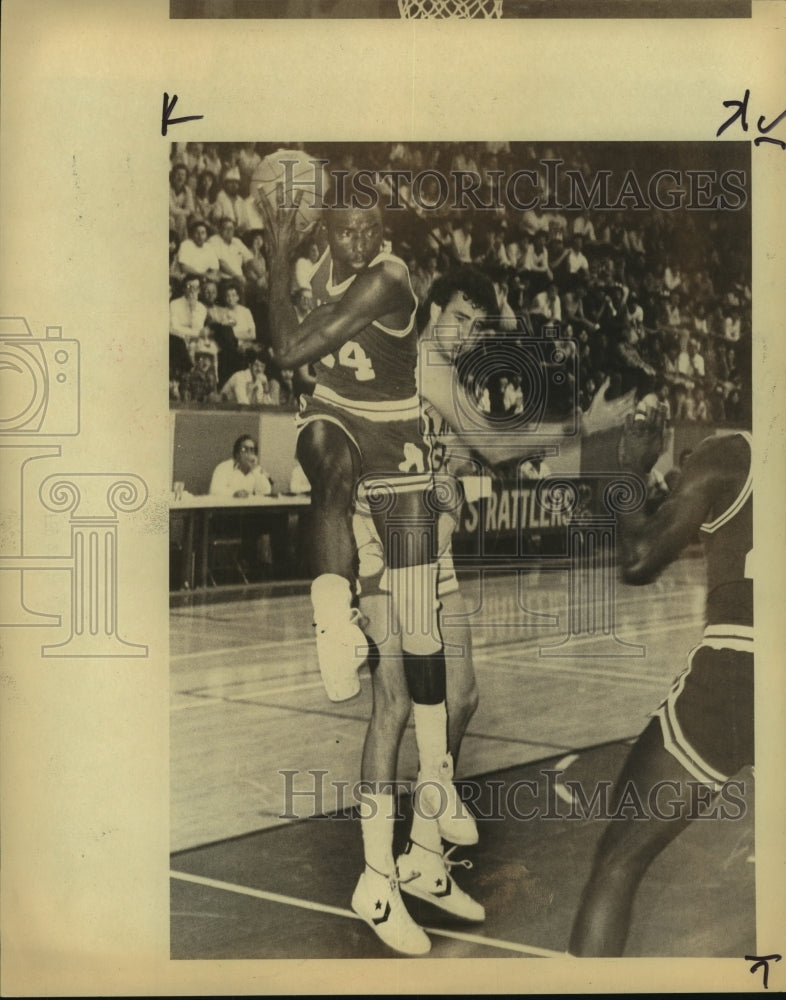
x=449, y=8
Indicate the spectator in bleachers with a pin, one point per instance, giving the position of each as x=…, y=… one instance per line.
x=248, y=160
x=536, y=264
x=732, y=325
x=179, y=358
x=672, y=277
x=461, y=239
x=194, y=159
x=701, y=411
x=505, y=321
x=306, y=262
x=547, y=305
x=582, y=226
x=211, y=159
x=230, y=204
x=174, y=246
x=233, y=254
x=181, y=200
x=303, y=301
x=673, y=314
x=250, y=385
x=205, y=197
x=187, y=315
x=696, y=360
x=195, y=258
x=236, y=316
x=200, y=385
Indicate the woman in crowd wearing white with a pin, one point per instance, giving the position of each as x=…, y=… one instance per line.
x=241, y=476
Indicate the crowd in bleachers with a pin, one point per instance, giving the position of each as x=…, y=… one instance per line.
x=659, y=300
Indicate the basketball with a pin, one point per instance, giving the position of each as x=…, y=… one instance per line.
x=294, y=171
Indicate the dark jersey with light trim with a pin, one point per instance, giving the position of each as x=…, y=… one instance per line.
x=378, y=365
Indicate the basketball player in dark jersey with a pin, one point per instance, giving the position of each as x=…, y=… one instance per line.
x=362, y=428
x=703, y=731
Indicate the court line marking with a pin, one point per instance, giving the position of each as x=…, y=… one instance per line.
x=266, y=644
x=481, y=653
x=306, y=641
x=307, y=904
x=591, y=673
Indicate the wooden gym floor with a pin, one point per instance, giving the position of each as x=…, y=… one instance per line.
x=247, y=704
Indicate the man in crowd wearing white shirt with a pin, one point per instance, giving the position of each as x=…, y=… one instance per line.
x=195, y=256
x=232, y=253
x=241, y=476
x=187, y=315
x=577, y=264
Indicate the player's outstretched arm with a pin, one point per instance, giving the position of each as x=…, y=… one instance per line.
x=649, y=543
x=603, y=414
x=375, y=293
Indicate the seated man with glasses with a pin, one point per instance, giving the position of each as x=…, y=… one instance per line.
x=241, y=476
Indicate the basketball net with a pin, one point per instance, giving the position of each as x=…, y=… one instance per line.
x=450, y=8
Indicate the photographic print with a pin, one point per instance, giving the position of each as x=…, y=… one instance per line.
x=557, y=290
x=408, y=617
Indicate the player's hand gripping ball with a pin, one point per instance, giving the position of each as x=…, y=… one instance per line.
x=643, y=439
x=290, y=188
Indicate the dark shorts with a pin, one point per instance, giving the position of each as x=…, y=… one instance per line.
x=388, y=448
x=707, y=718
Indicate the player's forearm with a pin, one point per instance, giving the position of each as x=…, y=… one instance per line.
x=320, y=332
x=639, y=559
x=284, y=328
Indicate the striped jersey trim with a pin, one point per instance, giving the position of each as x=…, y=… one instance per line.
x=712, y=526
x=675, y=743
x=378, y=410
x=337, y=290
x=738, y=637
x=302, y=420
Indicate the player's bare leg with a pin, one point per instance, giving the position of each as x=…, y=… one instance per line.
x=628, y=846
x=328, y=460
x=424, y=869
x=412, y=569
x=461, y=687
x=377, y=897
x=425, y=866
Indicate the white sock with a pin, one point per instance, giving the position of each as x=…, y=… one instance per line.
x=377, y=815
x=331, y=598
x=431, y=736
x=425, y=832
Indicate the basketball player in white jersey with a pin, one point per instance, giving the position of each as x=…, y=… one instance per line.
x=703, y=731
x=459, y=305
